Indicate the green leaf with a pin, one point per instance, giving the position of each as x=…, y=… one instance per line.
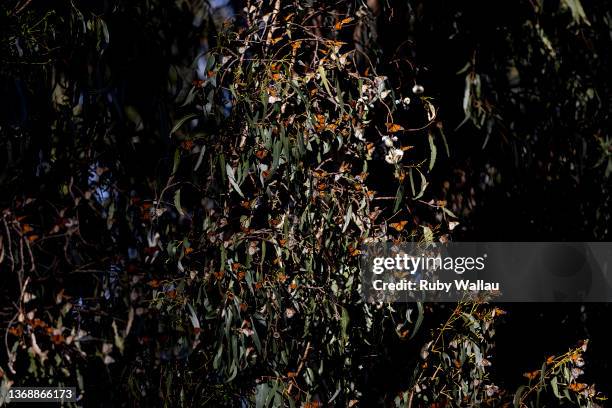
x=445, y=142
x=424, y=184
x=555, y=387
x=449, y=212
x=189, y=98
x=261, y=394
x=347, y=218
x=177, y=161
x=419, y=320
x=255, y=337
x=427, y=234
x=195, y=322
x=344, y=322
x=181, y=121
x=119, y=343
x=517, y=397
x=210, y=61
x=399, y=197
x=434, y=152
x=232, y=179
x=177, y=202
x=325, y=81
x=578, y=13
x=543, y=373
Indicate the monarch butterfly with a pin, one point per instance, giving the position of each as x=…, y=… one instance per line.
x=577, y=387
x=353, y=251
x=342, y=22
x=154, y=283
x=261, y=154
x=274, y=40
x=404, y=333
x=393, y=127
x=398, y=226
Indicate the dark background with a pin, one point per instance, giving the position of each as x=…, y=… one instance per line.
x=544, y=186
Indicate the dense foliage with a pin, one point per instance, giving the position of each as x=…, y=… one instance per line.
x=184, y=194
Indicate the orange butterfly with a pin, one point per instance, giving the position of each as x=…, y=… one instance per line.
x=261, y=154
x=353, y=251
x=393, y=127
x=341, y=23
x=577, y=387
x=398, y=226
